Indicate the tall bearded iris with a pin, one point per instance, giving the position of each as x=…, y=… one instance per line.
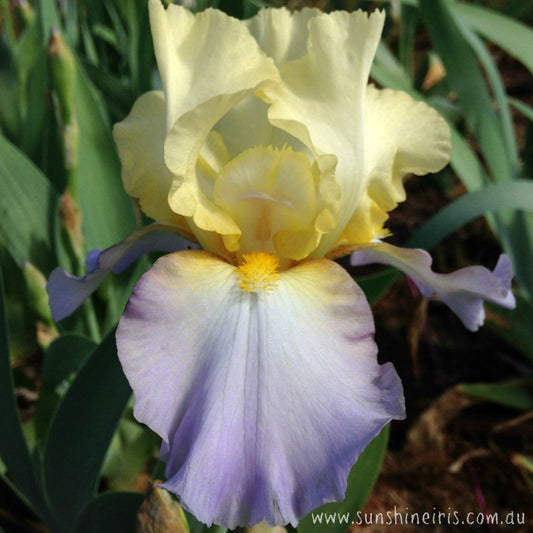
x=253, y=358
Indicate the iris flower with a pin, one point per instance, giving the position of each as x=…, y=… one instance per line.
x=253, y=357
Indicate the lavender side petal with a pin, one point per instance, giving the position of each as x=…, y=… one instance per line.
x=462, y=291
x=67, y=292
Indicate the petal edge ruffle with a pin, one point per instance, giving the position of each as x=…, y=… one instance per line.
x=402, y=136
x=264, y=412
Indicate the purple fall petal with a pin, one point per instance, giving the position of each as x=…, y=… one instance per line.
x=263, y=402
x=463, y=291
x=67, y=292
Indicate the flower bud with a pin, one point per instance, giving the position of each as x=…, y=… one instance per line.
x=37, y=295
x=23, y=15
x=62, y=69
x=159, y=513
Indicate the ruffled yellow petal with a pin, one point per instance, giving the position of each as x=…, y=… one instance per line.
x=321, y=99
x=246, y=126
x=139, y=140
x=225, y=164
x=212, y=241
x=280, y=33
x=188, y=194
x=203, y=56
x=212, y=158
x=209, y=62
x=282, y=36
x=401, y=136
x=274, y=198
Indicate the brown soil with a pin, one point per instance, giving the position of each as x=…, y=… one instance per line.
x=452, y=455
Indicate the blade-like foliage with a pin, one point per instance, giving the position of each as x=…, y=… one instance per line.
x=28, y=208
x=81, y=431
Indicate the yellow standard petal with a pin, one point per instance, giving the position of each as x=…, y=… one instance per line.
x=401, y=136
x=203, y=56
x=209, y=62
x=280, y=33
x=282, y=36
x=321, y=96
x=273, y=197
x=139, y=139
